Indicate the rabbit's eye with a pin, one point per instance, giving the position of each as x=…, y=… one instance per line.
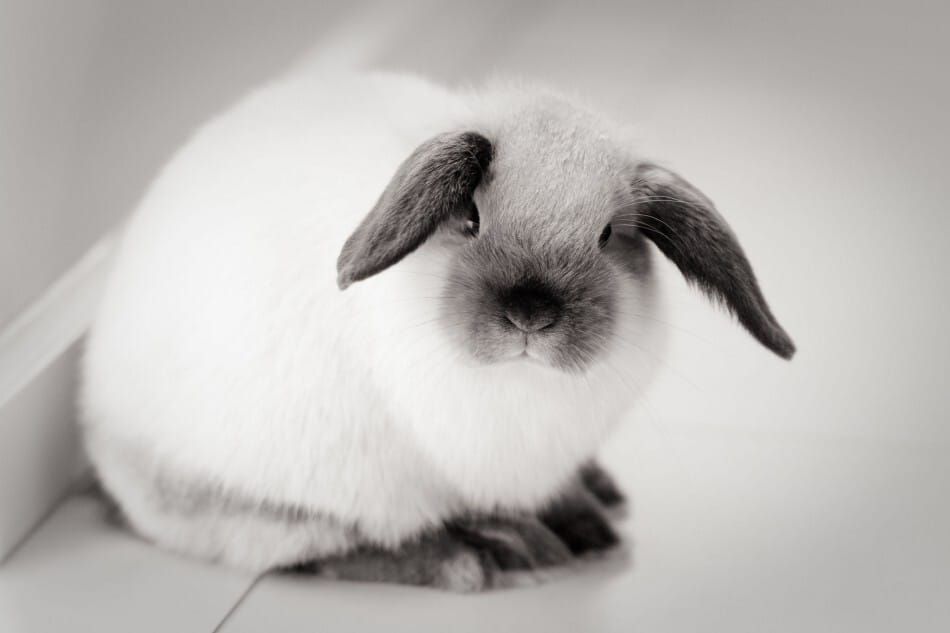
x=471, y=223
x=604, y=236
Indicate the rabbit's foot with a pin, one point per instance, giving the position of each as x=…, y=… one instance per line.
x=599, y=482
x=513, y=543
x=479, y=552
x=438, y=559
x=578, y=520
x=468, y=554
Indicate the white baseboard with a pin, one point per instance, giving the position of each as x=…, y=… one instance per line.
x=39, y=454
x=49, y=326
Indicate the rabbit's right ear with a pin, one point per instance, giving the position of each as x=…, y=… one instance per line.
x=437, y=179
x=686, y=227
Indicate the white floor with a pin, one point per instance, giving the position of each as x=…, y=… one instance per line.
x=810, y=496
x=728, y=533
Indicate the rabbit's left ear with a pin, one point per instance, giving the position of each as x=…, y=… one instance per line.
x=685, y=226
x=437, y=179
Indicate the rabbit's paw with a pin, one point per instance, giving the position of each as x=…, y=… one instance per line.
x=513, y=542
x=600, y=484
x=436, y=559
x=578, y=520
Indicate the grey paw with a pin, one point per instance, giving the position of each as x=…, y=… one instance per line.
x=435, y=559
x=578, y=520
x=520, y=543
x=600, y=484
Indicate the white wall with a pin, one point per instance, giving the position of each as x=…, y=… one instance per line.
x=46, y=50
x=95, y=96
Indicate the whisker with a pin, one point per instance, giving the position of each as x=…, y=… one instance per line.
x=658, y=359
x=666, y=323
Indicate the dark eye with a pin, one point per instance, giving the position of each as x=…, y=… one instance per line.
x=471, y=223
x=604, y=236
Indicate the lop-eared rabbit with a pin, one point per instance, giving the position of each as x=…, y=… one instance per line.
x=370, y=326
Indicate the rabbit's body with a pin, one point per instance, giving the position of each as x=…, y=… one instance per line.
x=240, y=407
x=429, y=424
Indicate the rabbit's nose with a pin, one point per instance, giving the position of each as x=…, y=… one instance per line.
x=530, y=308
x=530, y=323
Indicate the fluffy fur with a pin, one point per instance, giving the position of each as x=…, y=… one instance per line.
x=239, y=406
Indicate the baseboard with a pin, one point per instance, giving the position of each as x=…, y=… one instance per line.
x=39, y=455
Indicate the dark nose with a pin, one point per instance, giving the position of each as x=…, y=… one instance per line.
x=530, y=307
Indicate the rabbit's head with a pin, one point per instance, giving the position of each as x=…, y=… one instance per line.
x=544, y=220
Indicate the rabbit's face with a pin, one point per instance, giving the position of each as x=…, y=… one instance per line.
x=535, y=298
x=540, y=259
x=542, y=222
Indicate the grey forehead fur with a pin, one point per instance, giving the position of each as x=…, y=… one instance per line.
x=556, y=173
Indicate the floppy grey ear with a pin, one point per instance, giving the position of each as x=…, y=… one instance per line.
x=435, y=181
x=685, y=226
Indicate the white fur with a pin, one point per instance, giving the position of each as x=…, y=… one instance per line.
x=283, y=390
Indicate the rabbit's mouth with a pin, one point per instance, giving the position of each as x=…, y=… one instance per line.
x=562, y=345
x=525, y=351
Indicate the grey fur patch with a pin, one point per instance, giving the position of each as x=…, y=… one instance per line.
x=193, y=498
x=686, y=227
x=435, y=181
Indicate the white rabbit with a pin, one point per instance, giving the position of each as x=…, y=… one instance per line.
x=434, y=423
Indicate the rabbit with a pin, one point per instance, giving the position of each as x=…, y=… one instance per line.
x=375, y=328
